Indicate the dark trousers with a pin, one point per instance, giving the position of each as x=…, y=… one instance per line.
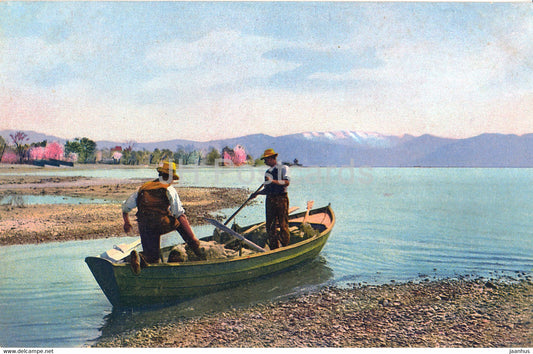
x=277, y=215
x=150, y=240
x=151, y=237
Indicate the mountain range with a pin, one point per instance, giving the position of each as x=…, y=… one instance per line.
x=352, y=148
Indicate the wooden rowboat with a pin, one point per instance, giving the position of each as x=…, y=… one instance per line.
x=173, y=282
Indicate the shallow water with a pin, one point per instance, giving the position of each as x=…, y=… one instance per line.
x=392, y=224
x=19, y=200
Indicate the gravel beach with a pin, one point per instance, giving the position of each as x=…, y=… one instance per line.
x=457, y=313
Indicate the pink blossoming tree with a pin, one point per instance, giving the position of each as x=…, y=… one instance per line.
x=51, y=151
x=235, y=157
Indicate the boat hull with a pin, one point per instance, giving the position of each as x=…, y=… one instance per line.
x=172, y=282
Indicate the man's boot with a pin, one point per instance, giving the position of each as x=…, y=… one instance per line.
x=135, y=262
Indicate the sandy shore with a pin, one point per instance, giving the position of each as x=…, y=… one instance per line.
x=22, y=224
x=446, y=313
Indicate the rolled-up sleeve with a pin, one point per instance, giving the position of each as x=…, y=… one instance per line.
x=285, y=175
x=130, y=203
x=176, y=208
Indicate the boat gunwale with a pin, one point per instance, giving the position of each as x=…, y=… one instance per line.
x=325, y=209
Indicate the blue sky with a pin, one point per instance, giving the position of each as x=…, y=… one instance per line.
x=150, y=71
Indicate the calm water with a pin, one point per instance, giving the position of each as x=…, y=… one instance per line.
x=21, y=200
x=392, y=224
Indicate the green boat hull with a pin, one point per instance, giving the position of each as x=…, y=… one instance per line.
x=172, y=282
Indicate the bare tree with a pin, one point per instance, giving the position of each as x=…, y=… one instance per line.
x=18, y=139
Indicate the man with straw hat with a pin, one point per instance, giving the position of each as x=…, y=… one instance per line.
x=277, y=201
x=159, y=211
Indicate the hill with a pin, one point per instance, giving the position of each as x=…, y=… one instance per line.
x=351, y=148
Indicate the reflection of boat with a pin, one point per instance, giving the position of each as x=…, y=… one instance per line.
x=297, y=280
x=170, y=282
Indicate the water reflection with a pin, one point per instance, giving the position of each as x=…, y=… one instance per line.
x=301, y=279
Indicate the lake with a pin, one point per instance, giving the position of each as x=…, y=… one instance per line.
x=21, y=200
x=393, y=224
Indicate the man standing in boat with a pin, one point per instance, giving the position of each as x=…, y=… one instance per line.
x=277, y=201
x=159, y=211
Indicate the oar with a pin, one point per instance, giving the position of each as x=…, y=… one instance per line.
x=235, y=234
x=242, y=206
x=119, y=252
x=309, y=206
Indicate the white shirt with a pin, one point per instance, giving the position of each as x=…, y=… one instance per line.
x=176, y=208
x=284, y=170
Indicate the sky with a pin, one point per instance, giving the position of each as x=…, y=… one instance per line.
x=153, y=71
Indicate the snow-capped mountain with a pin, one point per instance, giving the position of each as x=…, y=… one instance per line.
x=353, y=138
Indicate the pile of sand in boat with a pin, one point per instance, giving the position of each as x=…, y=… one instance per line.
x=225, y=246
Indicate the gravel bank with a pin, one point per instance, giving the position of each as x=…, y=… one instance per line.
x=23, y=224
x=445, y=313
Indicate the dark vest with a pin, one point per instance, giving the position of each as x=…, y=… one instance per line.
x=271, y=188
x=153, y=207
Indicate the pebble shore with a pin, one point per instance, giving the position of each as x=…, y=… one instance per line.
x=455, y=313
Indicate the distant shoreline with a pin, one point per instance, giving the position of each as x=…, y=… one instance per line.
x=359, y=149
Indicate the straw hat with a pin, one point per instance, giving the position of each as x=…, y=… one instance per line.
x=169, y=169
x=269, y=153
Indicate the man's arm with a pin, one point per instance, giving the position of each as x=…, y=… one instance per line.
x=127, y=224
x=128, y=206
x=176, y=208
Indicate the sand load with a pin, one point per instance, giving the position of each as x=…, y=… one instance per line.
x=225, y=246
x=213, y=250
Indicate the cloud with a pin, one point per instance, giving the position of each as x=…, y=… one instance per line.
x=445, y=69
x=319, y=68
x=217, y=59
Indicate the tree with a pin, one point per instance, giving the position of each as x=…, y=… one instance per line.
x=143, y=157
x=83, y=147
x=73, y=147
x=194, y=158
x=155, y=156
x=129, y=145
x=239, y=155
x=126, y=157
x=3, y=146
x=41, y=144
x=18, y=139
x=43, y=150
x=166, y=155
x=249, y=159
x=227, y=155
x=212, y=156
x=234, y=157
x=181, y=155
